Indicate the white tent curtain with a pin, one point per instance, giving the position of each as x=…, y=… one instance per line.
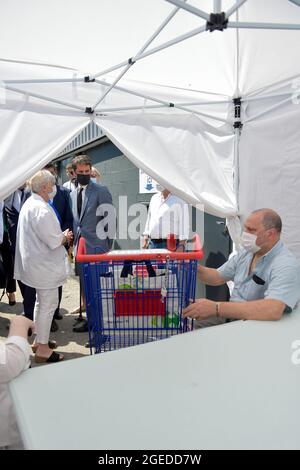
x=182, y=120
x=178, y=150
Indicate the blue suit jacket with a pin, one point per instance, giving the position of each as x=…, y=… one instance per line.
x=62, y=204
x=91, y=216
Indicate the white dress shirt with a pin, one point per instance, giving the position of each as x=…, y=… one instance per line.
x=69, y=185
x=40, y=260
x=165, y=216
x=14, y=358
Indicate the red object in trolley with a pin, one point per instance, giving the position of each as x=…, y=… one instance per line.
x=146, y=303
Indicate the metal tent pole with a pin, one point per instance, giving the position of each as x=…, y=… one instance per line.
x=190, y=8
x=170, y=43
x=217, y=6
x=268, y=110
x=45, y=80
x=237, y=24
x=145, y=46
x=235, y=7
x=46, y=98
x=165, y=103
x=296, y=2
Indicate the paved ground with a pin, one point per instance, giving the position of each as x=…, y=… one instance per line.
x=69, y=343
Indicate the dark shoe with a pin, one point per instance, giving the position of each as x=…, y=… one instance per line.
x=58, y=316
x=81, y=327
x=11, y=302
x=54, y=326
x=55, y=357
x=78, y=319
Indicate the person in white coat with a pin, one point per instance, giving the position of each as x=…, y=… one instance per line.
x=14, y=359
x=41, y=259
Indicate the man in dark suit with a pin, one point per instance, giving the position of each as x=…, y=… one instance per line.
x=12, y=207
x=61, y=204
x=91, y=204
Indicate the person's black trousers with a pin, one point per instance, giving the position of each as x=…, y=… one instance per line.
x=8, y=263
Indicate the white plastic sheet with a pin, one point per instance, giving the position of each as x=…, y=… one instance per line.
x=194, y=144
x=180, y=150
x=270, y=169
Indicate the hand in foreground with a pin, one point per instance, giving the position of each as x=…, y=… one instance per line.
x=200, y=309
x=21, y=326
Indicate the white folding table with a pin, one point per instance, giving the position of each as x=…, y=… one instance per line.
x=227, y=387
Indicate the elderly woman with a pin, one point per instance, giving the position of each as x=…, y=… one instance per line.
x=41, y=259
x=14, y=359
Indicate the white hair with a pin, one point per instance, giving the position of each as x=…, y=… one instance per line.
x=40, y=179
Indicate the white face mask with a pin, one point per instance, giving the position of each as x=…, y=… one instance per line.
x=159, y=187
x=53, y=193
x=248, y=241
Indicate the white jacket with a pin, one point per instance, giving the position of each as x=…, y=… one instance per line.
x=40, y=260
x=14, y=358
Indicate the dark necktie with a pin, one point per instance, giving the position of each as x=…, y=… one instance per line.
x=79, y=202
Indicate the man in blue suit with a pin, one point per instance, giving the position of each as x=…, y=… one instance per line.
x=94, y=215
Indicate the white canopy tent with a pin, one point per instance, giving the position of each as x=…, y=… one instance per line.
x=202, y=95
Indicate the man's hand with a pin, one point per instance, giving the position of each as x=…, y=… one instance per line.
x=69, y=236
x=145, y=243
x=200, y=309
x=181, y=246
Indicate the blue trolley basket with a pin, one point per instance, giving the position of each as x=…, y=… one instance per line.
x=137, y=296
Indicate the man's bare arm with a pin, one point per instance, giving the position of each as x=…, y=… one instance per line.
x=265, y=309
x=210, y=276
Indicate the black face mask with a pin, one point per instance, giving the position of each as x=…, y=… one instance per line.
x=83, y=179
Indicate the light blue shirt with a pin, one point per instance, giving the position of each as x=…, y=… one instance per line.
x=276, y=276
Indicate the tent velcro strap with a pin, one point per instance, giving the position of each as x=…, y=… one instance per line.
x=131, y=61
x=217, y=22
x=171, y=105
x=89, y=110
x=88, y=79
x=237, y=108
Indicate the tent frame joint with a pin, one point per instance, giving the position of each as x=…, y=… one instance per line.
x=217, y=22
x=88, y=79
x=89, y=110
x=131, y=61
x=238, y=125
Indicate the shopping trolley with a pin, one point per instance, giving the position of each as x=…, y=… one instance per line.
x=137, y=296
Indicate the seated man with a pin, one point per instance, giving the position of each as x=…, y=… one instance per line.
x=265, y=273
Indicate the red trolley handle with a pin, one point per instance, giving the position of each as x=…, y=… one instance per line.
x=197, y=253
